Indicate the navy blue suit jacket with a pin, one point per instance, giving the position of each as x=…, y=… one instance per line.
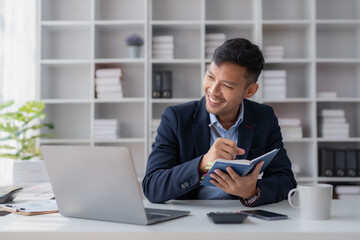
x=184, y=137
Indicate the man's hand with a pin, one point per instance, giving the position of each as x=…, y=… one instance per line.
x=234, y=184
x=222, y=148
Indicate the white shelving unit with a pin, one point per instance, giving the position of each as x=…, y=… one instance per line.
x=321, y=53
x=75, y=38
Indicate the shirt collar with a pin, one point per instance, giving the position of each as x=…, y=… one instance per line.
x=214, y=120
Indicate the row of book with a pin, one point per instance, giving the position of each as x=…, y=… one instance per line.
x=162, y=84
x=163, y=47
x=273, y=53
x=274, y=84
x=333, y=124
x=339, y=162
x=290, y=128
x=212, y=41
x=108, y=83
x=344, y=191
x=106, y=129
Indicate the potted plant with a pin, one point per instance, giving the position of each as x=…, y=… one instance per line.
x=134, y=43
x=19, y=140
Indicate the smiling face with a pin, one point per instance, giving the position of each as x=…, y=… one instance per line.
x=225, y=87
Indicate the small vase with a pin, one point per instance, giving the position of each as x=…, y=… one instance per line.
x=134, y=51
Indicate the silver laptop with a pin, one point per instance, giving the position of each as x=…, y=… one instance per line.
x=99, y=183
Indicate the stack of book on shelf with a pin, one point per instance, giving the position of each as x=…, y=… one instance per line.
x=108, y=83
x=274, y=84
x=162, y=84
x=212, y=41
x=163, y=47
x=332, y=124
x=291, y=128
x=328, y=94
x=106, y=129
x=347, y=191
x=273, y=53
x=154, y=126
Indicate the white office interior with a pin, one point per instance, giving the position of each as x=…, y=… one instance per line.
x=311, y=76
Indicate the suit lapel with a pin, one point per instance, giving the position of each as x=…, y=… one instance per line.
x=200, y=129
x=246, y=130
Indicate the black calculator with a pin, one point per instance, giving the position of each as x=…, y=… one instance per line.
x=227, y=217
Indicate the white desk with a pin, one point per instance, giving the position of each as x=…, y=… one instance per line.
x=344, y=224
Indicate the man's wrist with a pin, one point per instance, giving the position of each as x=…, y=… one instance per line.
x=201, y=168
x=251, y=194
x=253, y=199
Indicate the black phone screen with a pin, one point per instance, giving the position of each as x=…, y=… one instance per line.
x=263, y=214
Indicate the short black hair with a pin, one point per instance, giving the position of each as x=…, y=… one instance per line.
x=242, y=52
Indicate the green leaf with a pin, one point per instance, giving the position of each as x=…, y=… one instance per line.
x=40, y=116
x=32, y=107
x=12, y=116
x=8, y=127
x=6, y=104
x=50, y=125
x=30, y=156
x=5, y=138
x=5, y=146
x=34, y=127
x=50, y=135
x=38, y=126
x=12, y=156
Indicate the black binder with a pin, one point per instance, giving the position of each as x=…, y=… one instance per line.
x=352, y=167
x=156, y=85
x=358, y=162
x=166, y=91
x=340, y=160
x=326, y=157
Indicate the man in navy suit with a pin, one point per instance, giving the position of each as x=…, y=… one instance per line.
x=185, y=145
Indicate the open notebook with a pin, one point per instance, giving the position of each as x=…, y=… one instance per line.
x=242, y=167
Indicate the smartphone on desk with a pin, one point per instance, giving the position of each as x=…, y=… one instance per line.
x=266, y=215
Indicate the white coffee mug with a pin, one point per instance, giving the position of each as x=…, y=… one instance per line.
x=314, y=201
